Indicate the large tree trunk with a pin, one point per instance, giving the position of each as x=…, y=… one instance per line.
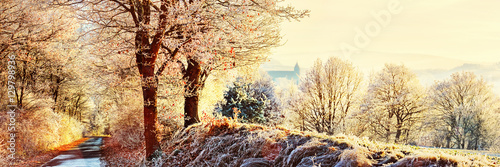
x=150, y=118
x=146, y=59
x=191, y=110
x=191, y=95
x=146, y=66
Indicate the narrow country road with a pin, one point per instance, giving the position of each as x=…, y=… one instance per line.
x=87, y=154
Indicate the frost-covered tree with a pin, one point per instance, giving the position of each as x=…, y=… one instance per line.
x=189, y=39
x=393, y=104
x=327, y=96
x=39, y=36
x=49, y=89
x=466, y=111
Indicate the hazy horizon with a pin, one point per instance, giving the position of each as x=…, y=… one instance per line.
x=434, y=39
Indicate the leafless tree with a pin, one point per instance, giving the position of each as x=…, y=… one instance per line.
x=465, y=109
x=328, y=95
x=40, y=35
x=393, y=104
x=49, y=91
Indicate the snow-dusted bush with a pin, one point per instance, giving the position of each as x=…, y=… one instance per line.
x=239, y=98
x=255, y=101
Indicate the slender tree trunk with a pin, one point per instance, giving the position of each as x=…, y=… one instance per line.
x=303, y=124
x=55, y=94
x=398, y=135
x=463, y=143
x=398, y=132
x=387, y=135
x=191, y=95
x=448, y=140
x=476, y=144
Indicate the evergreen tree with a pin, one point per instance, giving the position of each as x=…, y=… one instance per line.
x=255, y=101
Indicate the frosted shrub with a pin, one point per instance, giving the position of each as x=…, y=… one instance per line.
x=39, y=134
x=36, y=135
x=70, y=129
x=255, y=101
x=128, y=128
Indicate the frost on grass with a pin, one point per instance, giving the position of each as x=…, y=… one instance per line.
x=225, y=143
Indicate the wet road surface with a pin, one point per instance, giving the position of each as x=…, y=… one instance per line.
x=87, y=154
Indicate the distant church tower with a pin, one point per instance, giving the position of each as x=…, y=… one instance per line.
x=296, y=69
x=290, y=75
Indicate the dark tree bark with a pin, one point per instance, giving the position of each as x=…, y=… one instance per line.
x=398, y=135
x=146, y=66
x=145, y=59
x=399, y=126
x=191, y=96
x=387, y=135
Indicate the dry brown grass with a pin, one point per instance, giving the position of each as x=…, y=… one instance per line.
x=227, y=143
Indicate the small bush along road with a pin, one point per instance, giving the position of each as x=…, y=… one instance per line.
x=86, y=154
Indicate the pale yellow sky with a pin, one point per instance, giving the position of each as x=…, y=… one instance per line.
x=425, y=35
